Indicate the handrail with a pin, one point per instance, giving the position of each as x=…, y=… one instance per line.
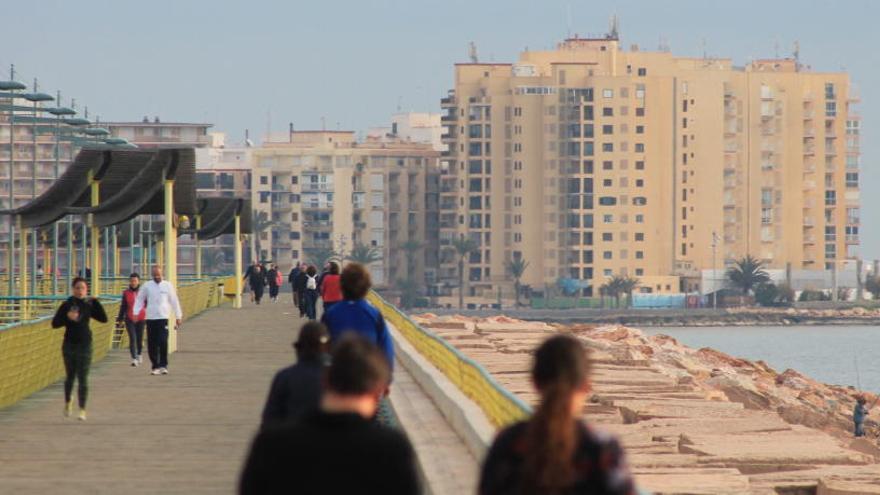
x=499, y=405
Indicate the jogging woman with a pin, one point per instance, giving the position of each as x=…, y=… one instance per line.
x=74, y=315
x=555, y=451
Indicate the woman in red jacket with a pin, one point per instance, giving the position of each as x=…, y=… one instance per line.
x=134, y=323
x=331, y=291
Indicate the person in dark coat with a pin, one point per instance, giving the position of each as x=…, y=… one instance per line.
x=257, y=281
x=311, y=293
x=338, y=449
x=291, y=279
x=296, y=390
x=272, y=276
x=300, y=288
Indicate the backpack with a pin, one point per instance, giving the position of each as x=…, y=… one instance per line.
x=278, y=279
x=311, y=283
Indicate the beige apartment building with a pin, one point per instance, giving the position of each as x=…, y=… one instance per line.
x=326, y=190
x=590, y=161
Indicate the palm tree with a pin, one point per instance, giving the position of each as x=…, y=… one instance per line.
x=463, y=247
x=409, y=291
x=260, y=223
x=627, y=286
x=613, y=288
x=363, y=254
x=517, y=268
x=320, y=256
x=747, y=273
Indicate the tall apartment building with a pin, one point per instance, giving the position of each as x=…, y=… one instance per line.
x=590, y=161
x=325, y=190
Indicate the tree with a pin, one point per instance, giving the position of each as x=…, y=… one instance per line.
x=747, y=273
x=463, y=247
x=320, y=256
x=627, y=286
x=409, y=292
x=517, y=268
x=873, y=286
x=618, y=285
x=767, y=294
x=363, y=254
x=260, y=223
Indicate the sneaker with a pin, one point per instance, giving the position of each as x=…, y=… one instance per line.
x=134, y=362
x=164, y=371
x=82, y=414
x=140, y=359
x=68, y=409
x=155, y=372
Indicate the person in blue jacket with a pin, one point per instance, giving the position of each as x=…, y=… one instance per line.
x=860, y=413
x=355, y=314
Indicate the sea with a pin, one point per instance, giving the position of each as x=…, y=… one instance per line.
x=841, y=355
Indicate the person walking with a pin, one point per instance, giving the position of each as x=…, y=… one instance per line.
x=338, y=449
x=74, y=315
x=555, y=451
x=273, y=276
x=257, y=281
x=160, y=299
x=300, y=288
x=311, y=293
x=246, y=278
x=296, y=390
x=355, y=314
x=134, y=322
x=330, y=288
x=291, y=279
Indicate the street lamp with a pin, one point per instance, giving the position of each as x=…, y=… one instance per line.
x=36, y=98
x=10, y=89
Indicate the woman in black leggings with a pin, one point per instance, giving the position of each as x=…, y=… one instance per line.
x=74, y=315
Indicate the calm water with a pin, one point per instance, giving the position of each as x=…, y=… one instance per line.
x=829, y=354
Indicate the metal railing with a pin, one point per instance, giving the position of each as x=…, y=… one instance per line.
x=499, y=405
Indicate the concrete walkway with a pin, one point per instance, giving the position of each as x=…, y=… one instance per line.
x=185, y=433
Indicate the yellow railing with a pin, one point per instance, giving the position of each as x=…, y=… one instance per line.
x=30, y=353
x=499, y=405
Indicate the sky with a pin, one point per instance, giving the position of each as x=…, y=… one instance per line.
x=260, y=64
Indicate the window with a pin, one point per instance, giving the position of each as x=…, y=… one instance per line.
x=475, y=131
x=642, y=71
x=475, y=202
x=588, y=130
x=830, y=250
x=830, y=233
x=264, y=197
x=852, y=233
x=829, y=91
x=640, y=237
x=640, y=129
x=607, y=93
x=608, y=147
x=852, y=179
x=606, y=255
x=830, y=198
x=607, y=236
x=640, y=165
x=264, y=180
x=640, y=147
x=588, y=148
x=852, y=215
x=475, y=149
x=766, y=215
x=640, y=201
x=830, y=109
x=475, y=185
x=607, y=129
x=607, y=201
x=640, y=218
x=607, y=218
x=640, y=255
x=475, y=166
x=607, y=112
x=607, y=165
x=607, y=183
x=640, y=112
x=640, y=183
x=588, y=112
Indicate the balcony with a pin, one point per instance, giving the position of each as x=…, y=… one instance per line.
x=809, y=239
x=449, y=100
x=809, y=149
x=808, y=222
x=317, y=187
x=830, y=151
x=809, y=114
x=449, y=118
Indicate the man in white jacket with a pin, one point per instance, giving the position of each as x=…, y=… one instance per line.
x=160, y=299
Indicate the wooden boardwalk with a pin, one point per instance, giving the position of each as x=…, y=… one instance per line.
x=186, y=432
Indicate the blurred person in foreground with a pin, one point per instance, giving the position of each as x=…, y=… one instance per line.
x=338, y=449
x=554, y=451
x=296, y=390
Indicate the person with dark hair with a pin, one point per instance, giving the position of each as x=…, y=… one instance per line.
x=74, y=315
x=296, y=390
x=860, y=413
x=159, y=297
x=257, y=281
x=555, y=451
x=355, y=314
x=331, y=289
x=291, y=279
x=310, y=295
x=273, y=277
x=300, y=288
x=246, y=278
x=337, y=449
x=134, y=322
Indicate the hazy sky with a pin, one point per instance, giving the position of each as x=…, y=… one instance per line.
x=249, y=64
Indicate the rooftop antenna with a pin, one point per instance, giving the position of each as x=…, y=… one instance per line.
x=472, y=52
x=614, y=31
x=703, y=45
x=796, y=53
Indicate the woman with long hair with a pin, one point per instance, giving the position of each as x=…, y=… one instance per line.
x=554, y=451
x=331, y=288
x=74, y=315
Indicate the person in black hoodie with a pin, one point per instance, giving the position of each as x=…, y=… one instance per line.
x=257, y=281
x=337, y=449
x=74, y=315
x=300, y=287
x=272, y=276
x=296, y=390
